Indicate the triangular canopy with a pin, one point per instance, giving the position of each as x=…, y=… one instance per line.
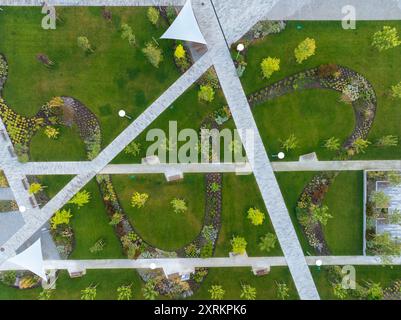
x=185, y=27
x=31, y=259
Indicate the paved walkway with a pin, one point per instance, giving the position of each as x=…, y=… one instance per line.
x=256, y=152
x=190, y=263
x=73, y=168
x=37, y=218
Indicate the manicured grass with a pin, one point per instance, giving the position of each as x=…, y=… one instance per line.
x=266, y=287
x=239, y=194
x=107, y=282
x=67, y=147
x=291, y=186
x=344, y=232
x=385, y=275
x=90, y=223
x=115, y=76
x=350, y=48
x=187, y=111
x=313, y=116
x=156, y=222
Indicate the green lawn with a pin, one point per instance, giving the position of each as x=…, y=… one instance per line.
x=156, y=222
x=90, y=223
x=115, y=76
x=291, y=185
x=107, y=282
x=378, y=274
x=344, y=232
x=239, y=194
x=313, y=116
x=350, y=48
x=67, y=147
x=266, y=288
x=187, y=111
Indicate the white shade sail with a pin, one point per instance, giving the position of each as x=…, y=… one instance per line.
x=185, y=27
x=31, y=259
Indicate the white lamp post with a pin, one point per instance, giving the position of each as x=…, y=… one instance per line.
x=240, y=48
x=123, y=114
x=152, y=266
x=280, y=155
x=22, y=209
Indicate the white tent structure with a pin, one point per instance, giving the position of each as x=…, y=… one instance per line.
x=185, y=27
x=31, y=259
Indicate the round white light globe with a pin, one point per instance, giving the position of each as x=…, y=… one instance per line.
x=240, y=47
x=281, y=155
x=152, y=266
x=319, y=262
x=22, y=209
x=121, y=113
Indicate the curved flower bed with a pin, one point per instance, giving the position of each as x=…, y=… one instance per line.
x=358, y=92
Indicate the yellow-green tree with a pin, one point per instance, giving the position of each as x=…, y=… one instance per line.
x=35, y=188
x=305, y=50
x=138, y=200
x=238, y=245
x=269, y=65
x=256, y=216
x=386, y=39
x=60, y=217
x=153, y=15
x=396, y=90
x=81, y=198
x=179, y=205
x=206, y=93
x=51, y=132
x=179, y=52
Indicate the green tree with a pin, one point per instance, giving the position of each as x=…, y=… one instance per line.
x=45, y=294
x=395, y=217
x=215, y=187
x=134, y=148
x=283, y=292
x=383, y=245
x=387, y=141
x=375, y=291
x=179, y=205
x=238, y=245
x=320, y=214
x=339, y=291
x=81, y=198
x=360, y=145
x=206, y=93
x=153, y=15
x=396, y=90
x=269, y=65
x=332, y=144
x=89, y=293
x=127, y=33
x=153, y=54
x=149, y=291
x=386, y=39
x=60, y=217
x=380, y=199
x=394, y=178
x=267, y=242
x=84, y=44
x=248, y=292
x=207, y=250
x=256, y=216
x=35, y=187
x=290, y=143
x=305, y=50
x=124, y=292
x=138, y=200
x=216, y=292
